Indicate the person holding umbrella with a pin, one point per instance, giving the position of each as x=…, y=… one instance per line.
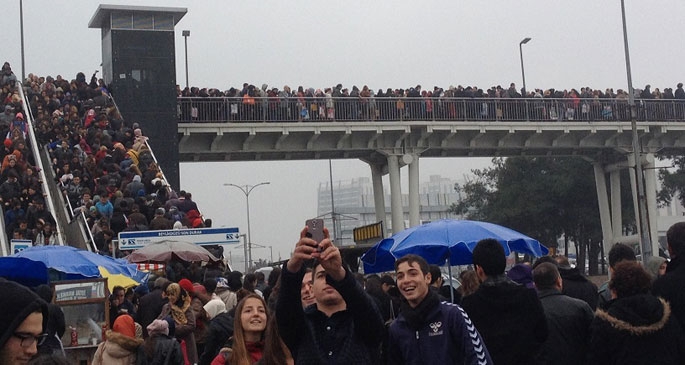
x=427, y=330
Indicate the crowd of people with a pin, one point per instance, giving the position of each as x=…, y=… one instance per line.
x=101, y=162
x=313, y=310
x=21, y=192
x=338, y=103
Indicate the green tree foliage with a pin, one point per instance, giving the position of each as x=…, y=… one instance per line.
x=672, y=181
x=542, y=197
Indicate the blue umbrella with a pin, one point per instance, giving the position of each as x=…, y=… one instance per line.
x=78, y=264
x=23, y=271
x=446, y=240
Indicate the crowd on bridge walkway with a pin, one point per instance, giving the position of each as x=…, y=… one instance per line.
x=338, y=103
x=101, y=163
x=314, y=310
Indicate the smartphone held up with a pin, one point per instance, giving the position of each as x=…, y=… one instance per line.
x=315, y=229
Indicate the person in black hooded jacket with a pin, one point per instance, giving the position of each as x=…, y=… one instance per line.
x=509, y=316
x=636, y=327
x=56, y=324
x=672, y=285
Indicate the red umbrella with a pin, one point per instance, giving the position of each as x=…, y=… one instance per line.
x=165, y=251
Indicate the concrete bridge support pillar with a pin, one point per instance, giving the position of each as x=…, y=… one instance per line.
x=603, y=201
x=379, y=195
x=414, y=201
x=395, y=194
x=649, y=172
x=616, y=214
x=633, y=188
x=650, y=195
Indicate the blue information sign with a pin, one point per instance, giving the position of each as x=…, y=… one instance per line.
x=200, y=236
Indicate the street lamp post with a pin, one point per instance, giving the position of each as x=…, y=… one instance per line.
x=641, y=220
x=21, y=28
x=523, y=73
x=186, y=34
x=247, y=189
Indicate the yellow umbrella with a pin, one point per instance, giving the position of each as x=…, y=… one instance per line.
x=116, y=279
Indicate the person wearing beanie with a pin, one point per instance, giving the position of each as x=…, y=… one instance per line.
x=186, y=285
x=158, y=327
x=199, y=299
x=159, y=348
x=23, y=320
x=121, y=346
x=522, y=274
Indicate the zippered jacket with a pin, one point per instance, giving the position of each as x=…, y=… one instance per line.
x=447, y=337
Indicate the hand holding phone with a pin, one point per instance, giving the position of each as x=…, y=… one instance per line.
x=315, y=229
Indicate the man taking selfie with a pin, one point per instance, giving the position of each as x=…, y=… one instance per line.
x=343, y=326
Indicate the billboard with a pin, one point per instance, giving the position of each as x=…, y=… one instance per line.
x=134, y=240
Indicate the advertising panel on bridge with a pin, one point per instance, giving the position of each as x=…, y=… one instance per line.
x=200, y=236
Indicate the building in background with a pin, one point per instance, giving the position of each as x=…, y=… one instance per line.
x=354, y=205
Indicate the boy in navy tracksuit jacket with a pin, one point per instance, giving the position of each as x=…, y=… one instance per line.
x=428, y=331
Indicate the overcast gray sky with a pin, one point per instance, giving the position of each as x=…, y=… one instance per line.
x=382, y=44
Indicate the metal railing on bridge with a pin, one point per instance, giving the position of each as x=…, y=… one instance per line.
x=321, y=109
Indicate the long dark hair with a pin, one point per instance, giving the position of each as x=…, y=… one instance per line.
x=274, y=349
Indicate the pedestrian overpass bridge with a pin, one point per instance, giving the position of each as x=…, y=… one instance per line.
x=387, y=144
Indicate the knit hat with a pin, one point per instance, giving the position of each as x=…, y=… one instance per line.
x=20, y=116
x=137, y=178
x=124, y=324
x=157, y=327
x=522, y=274
x=17, y=303
x=186, y=285
x=215, y=307
x=199, y=289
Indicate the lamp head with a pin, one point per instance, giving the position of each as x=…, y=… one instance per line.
x=525, y=40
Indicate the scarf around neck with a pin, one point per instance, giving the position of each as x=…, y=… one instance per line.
x=255, y=349
x=179, y=313
x=417, y=317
